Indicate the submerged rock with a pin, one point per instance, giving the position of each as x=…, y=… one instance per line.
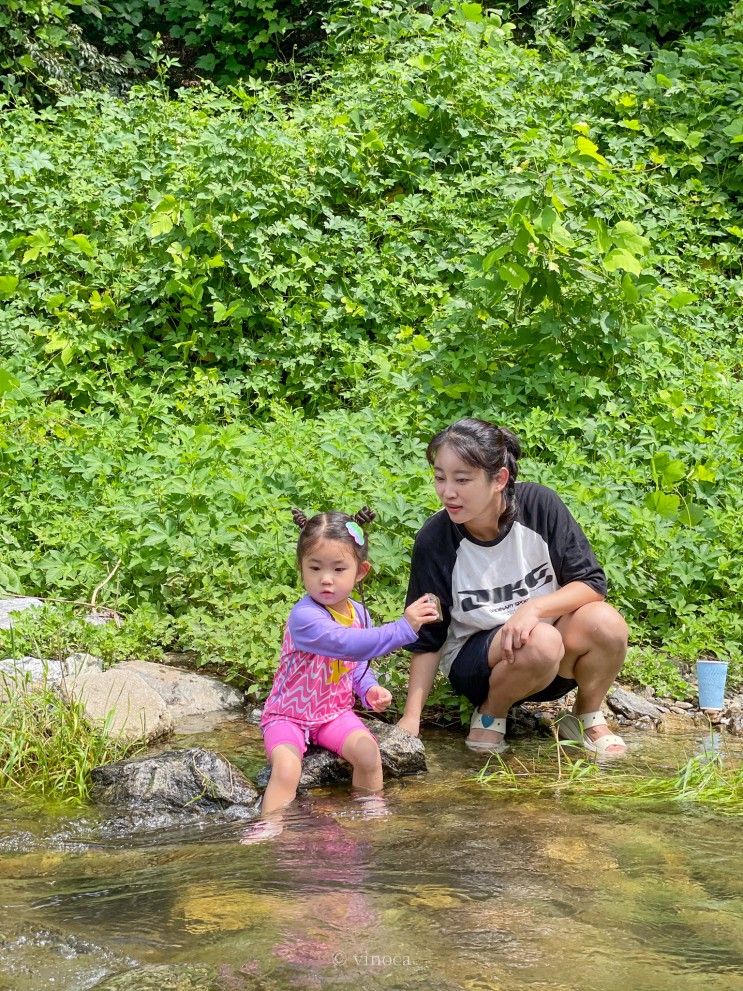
x=193, y=781
x=401, y=754
x=162, y=977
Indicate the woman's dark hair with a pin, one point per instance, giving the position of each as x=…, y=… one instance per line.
x=483, y=445
x=333, y=526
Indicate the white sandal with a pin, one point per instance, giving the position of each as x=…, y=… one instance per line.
x=571, y=730
x=492, y=724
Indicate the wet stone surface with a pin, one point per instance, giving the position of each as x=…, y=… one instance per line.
x=190, y=782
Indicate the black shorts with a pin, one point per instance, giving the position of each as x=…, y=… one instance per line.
x=470, y=673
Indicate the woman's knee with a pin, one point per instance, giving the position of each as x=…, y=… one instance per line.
x=604, y=626
x=543, y=648
x=541, y=654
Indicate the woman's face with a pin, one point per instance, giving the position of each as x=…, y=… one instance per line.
x=469, y=495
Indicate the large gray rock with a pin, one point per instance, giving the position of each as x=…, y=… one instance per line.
x=632, y=706
x=193, y=781
x=401, y=754
x=9, y=606
x=26, y=672
x=185, y=693
x=121, y=701
x=30, y=672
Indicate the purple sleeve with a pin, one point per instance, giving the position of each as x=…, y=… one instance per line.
x=363, y=679
x=314, y=630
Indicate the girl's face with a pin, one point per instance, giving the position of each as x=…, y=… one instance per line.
x=330, y=571
x=469, y=495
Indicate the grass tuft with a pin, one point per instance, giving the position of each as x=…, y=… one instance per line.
x=47, y=747
x=707, y=781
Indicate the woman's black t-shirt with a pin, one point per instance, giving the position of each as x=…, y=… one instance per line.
x=481, y=583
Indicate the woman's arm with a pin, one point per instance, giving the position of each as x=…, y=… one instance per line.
x=516, y=631
x=423, y=668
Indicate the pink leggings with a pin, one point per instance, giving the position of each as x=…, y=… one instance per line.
x=331, y=735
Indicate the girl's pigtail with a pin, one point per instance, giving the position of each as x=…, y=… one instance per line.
x=299, y=518
x=365, y=516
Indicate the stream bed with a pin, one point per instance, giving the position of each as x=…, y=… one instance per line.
x=448, y=887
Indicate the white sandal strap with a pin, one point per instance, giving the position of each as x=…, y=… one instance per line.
x=591, y=719
x=495, y=723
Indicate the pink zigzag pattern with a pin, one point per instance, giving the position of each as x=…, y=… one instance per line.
x=302, y=689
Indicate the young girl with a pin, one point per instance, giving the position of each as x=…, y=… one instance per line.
x=327, y=644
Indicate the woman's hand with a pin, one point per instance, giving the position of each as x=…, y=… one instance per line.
x=516, y=631
x=378, y=698
x=423, y=610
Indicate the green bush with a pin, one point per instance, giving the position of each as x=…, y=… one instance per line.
x=225, y=304
x=43, y=52
x=222, y=39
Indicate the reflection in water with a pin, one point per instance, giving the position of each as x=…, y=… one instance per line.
x=452, y=889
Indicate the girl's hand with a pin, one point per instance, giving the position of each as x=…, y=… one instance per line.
x=378, y=698
x=516, y=631
x=421, y=611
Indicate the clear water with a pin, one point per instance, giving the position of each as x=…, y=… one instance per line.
x=453, y=888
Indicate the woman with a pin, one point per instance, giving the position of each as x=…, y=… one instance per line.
x=522, y=596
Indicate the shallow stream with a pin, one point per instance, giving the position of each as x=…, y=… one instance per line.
x=452, y=888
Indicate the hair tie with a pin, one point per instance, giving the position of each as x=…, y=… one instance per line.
x=365, y=516
x=355, y=532
x=299, y=518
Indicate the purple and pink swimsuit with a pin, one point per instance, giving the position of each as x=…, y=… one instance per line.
x=322, y=666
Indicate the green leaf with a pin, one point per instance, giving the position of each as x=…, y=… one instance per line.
x=626, y=235
x=514, y=274
x=8, y=382
x=546, y=219
x=472, y=12
x=8, y=285
x=586, y=147
x=618, y=259
x=418, y=108
x=664, y=504
x=79, y=242
x=495, y=256
x=691, y=514
x=629, y=289
x=207, y=62
x=668, y=470
x=681, y=299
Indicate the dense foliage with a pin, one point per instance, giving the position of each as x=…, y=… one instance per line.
x=220, y=305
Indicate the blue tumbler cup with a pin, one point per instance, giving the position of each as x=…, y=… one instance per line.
x=711, y=676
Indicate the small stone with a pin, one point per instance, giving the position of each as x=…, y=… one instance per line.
x=631, y=705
